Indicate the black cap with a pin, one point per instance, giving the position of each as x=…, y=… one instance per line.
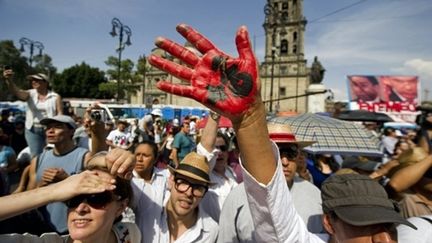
x=359, y=200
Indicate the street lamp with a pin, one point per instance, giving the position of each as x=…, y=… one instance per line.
x=32, y=44
x=272, y=16
x=122, y=29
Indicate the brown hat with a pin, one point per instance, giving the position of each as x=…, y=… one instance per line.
x=282, y=133
x=194, y=166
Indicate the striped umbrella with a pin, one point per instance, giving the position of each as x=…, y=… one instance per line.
x=333, y=136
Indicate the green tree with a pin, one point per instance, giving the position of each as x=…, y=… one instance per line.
x=80, y=81
x=43, y=64
x=11, y=56
x=127, y=76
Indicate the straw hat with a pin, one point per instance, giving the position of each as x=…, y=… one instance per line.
x=194, y=166
x=282, y=133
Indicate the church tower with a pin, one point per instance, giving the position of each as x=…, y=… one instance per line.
x=284, y=74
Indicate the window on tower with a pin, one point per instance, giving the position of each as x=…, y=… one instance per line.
x=282, y=91
x=295, y=49
x=285, y=16
x=284, y=6
x=283, y=70
x=295, y=36
x=284, y=47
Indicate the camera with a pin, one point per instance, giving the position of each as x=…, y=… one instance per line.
x=98, y=115
x=7, y=67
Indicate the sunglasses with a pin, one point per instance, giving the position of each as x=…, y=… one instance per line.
x=222, y=148
x=97, y=201
x=290, y=152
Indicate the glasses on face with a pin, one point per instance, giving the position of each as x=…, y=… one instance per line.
x=198, y=190
x=291, y=151
x=97, y=201
x=222, y=148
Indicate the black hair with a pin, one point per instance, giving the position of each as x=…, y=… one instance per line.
x=388, y=130
x=153, y=146
x=373, y=80
x=224, y=137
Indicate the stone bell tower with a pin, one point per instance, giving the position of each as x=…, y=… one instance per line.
x=284, y=75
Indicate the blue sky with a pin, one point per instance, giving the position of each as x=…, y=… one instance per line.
x=371, y=37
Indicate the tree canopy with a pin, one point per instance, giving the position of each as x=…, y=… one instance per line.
x=80, y=81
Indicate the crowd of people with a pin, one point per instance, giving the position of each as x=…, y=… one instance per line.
x=158, y=180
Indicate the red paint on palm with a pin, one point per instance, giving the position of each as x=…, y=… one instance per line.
x=217, y=80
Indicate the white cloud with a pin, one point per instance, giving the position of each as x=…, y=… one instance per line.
x=420, y=66
x=380, y=37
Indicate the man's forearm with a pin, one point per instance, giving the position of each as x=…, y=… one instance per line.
x=254, y=143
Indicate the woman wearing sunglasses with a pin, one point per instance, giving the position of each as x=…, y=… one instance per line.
x=95, y=201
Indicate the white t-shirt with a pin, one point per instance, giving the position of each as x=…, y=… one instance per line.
x=119, y=139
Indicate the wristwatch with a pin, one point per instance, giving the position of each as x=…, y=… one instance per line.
x=215, y=116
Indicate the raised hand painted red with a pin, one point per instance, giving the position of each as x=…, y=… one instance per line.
x=217, y=80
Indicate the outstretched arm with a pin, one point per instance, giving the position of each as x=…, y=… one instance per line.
x=21, y=94
x=86, y=182
x=227, y=85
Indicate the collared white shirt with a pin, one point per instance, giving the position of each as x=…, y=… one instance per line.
x=272, y=209
x=148, y=201
x=222, y=184
x=204, y=230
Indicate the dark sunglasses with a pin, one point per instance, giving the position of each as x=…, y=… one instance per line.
x=222, y=148
x=290, y=152
x=97, y=201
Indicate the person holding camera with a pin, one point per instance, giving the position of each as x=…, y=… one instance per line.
x=41, y=102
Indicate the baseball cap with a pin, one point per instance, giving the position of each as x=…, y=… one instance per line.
x=358, y=200
x=361, y=163
x=60, y=118
x=157, y=112
x=176, y=122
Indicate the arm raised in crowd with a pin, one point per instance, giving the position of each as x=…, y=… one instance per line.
x=86, y=182
x=21, y=94
x=407, y=176
x=227, y=85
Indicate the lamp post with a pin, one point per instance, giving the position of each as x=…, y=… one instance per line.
x=272, y=15
x=122, y=29
x=32, y=44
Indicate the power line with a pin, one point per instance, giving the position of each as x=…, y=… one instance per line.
x=338, y=10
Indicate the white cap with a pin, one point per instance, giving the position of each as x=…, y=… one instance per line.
x=176, y=122
x=157, y=112
x=399, y=133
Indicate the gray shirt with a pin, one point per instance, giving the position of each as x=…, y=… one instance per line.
x=236, y=223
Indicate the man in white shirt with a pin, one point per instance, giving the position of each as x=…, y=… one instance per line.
x=236, y=224
x=119, y=138
x=231, y=87
x=215, y=146
x=179, y=218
